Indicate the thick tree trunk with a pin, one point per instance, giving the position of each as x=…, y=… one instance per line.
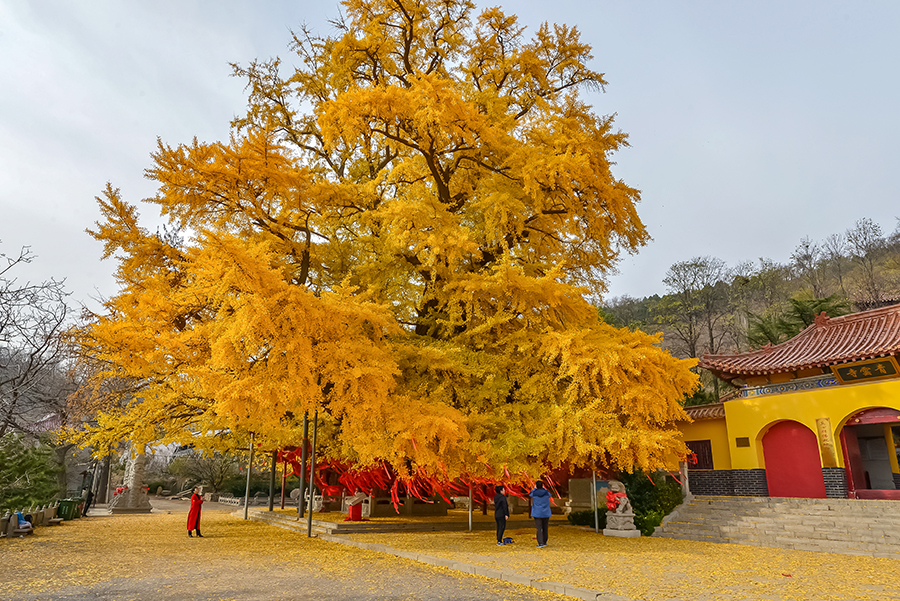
x=62, y=475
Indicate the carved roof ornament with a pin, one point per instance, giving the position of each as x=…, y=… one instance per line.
x=821, y=319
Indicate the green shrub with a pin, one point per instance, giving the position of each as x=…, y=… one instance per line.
x=586, y=518
x=237, y=485
x=652, y=499
x=166, y=485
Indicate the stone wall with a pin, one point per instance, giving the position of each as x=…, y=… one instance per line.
x=711, y=482
x=741, y=483
x=835, y=482
x=750, y=483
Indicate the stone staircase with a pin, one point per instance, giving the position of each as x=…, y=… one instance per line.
x=287, y=522
x=849, y=526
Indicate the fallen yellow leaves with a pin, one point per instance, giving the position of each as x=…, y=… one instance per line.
x=154, y=548
x=663, y=569
x=100, y=550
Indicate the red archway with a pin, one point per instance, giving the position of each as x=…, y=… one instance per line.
x=793, y=465
x=858, y=483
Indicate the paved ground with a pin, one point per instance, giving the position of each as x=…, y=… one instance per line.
x=150, y=557
x=661, y=569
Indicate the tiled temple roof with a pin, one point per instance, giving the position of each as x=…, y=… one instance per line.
x=698, y=412
x=828, y=341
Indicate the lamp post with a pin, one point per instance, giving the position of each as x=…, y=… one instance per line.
x=312, y=471
x=272, y=480
x=303, y=465
x=470, y=506
x=249, y=468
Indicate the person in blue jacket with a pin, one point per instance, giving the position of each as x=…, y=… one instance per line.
x=540, y=511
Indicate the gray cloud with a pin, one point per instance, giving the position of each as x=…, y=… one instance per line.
x=752, y=124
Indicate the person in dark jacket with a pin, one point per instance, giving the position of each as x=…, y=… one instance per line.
x=540, y=511
x=88, y=499
x=501, y=512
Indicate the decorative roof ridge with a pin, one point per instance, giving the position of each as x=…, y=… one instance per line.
x=764, y=350
x=863, y=315
x=821, y=321
x=704, y=406
x=708, y=411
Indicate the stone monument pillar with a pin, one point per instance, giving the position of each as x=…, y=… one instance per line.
x=134, y=498
x=620, y=517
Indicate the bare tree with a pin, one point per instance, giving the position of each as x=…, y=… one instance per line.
x=768, y=285
x=629, y=311
x=698, y=292
x=807, y=260
x=697, y=303
x=212, y=470
x=32, y=355
x=741, y=278
x=866, y=243
x=834, y=249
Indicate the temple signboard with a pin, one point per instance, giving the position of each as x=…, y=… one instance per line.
x=864, y=371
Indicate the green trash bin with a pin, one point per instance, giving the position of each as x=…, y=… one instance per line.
x=66, y=509
x=79, y=503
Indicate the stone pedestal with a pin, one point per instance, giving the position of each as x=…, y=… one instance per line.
x=622, y=533
x=620, y=524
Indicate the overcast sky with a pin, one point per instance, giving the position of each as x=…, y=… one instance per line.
x=752, y=124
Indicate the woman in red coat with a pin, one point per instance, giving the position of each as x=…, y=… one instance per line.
x=193, y=522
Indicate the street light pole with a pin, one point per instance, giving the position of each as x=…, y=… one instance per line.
x=272, y=480
x=300, y=501
x=312, y=471
x=470, y=507
x=249, y=468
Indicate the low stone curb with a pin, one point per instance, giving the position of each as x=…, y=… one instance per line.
x=478, y=570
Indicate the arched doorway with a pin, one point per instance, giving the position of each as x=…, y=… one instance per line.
x=867, y=441
x=793, y=465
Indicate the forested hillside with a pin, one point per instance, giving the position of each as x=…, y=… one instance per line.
x=712, y=307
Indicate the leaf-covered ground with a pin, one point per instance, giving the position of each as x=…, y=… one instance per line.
x=150, y=557
x=664, y=569
x=458, y=516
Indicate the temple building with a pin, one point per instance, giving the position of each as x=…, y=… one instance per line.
x=817, y=416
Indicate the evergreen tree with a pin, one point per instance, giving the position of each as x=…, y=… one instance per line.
x=28, y=473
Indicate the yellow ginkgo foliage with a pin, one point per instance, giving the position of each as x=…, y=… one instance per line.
x=401, y=234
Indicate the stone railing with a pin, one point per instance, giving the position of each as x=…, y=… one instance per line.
x=227, y=498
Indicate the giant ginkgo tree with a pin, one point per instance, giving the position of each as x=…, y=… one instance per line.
x=400, y=233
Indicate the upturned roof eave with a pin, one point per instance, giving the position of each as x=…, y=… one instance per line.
x=840, y=338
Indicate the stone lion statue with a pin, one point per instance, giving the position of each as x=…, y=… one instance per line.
x=616, y=499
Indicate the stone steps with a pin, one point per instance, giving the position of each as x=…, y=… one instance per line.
x=287, y=522
x=850, y=526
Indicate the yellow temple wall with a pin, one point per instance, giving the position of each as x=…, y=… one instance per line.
x=751, y=417
x=716, y=433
